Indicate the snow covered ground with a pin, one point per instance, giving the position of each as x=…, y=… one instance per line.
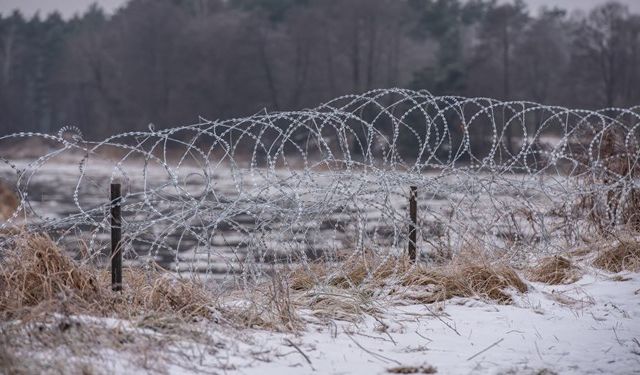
x=589, y=327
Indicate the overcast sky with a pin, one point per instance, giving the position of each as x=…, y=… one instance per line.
x=69, y=7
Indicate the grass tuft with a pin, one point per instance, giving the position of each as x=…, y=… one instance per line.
x=624, y=256
x=37, y=277
x=9, y=202
x=555, y=270
x=465, y=279
x=268, y=306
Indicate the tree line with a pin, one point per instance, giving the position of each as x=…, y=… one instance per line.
x=167, y=62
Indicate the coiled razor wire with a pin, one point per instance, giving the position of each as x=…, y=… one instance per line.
x=235, y=198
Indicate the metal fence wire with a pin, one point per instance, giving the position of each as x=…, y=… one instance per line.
x=233, y=199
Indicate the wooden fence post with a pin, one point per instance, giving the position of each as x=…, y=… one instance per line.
x=116, y=238
x=413, y=213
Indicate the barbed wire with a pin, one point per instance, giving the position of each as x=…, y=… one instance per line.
x=235, y=198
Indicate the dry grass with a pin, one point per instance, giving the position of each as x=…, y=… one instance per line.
x=305, y=278
x=555, y=270
x=9, y=202
x=81, y=345
x=47, y=301
x=413, y=370
x=624, y=256
x=45, y=290
x=35, y=273
x=368, y=269
x=465, y=277
x=485, y=280
x=157, y=292
x=266, y=306
x=39, y=284
x=362, y=271
x=618, y=203
x=36, y=278
x=346, y=290
x=338, y=304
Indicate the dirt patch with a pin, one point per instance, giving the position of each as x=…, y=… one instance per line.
x=413, y=370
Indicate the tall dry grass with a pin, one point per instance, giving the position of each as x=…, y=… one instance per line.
x=49, y=301
x=42, y=289
x=9, y=202
x=555, y=270
x=489, y=280
x=37, y=277
x=624, y=255
x=619, y=204
x=268, y=305
x=462, y=277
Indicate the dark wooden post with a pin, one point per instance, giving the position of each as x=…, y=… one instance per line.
x=116, y=238
x=413, y=213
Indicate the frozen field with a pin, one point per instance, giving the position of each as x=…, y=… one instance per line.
x=286, y=238
x=222, y=221
x=588, y=327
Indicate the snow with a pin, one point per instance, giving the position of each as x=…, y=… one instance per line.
x=589, y=327
x=591, y=332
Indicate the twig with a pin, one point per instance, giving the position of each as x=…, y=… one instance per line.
x=516, y=331
x=424, y=337
x=635, y=351
x=485, y=349
x=300, y=351
x=374, y=337
x=384, y=330
x=375, y=355
x=616, y=334
x=442, y=320
x=538, y=350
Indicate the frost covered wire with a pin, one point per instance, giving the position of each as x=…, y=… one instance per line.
x=235, y=198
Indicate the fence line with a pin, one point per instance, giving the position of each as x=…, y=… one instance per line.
x=232, y=198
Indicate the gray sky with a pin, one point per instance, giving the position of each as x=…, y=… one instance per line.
x=66, y=7
x=69, y=7
x=634, y=5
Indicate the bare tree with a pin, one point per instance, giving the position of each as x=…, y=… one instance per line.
x=541, y=57
x=501, y=30
x=602, y=49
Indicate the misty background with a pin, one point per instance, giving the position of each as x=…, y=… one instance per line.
x=167, y=62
